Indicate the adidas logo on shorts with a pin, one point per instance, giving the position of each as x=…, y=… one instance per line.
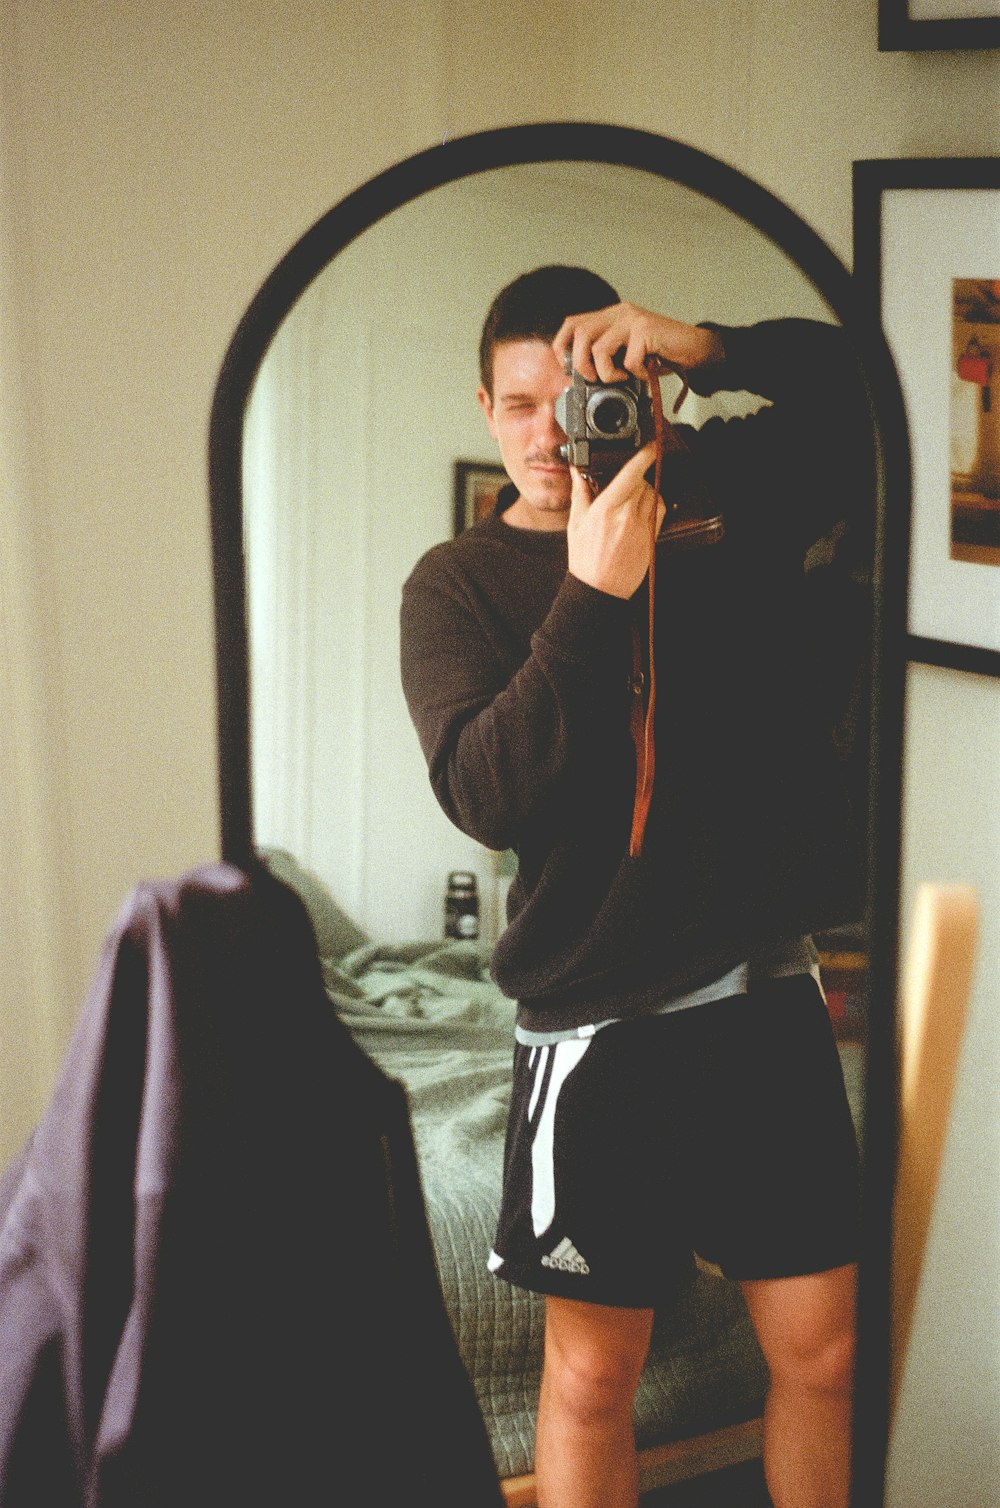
x=566, y=1258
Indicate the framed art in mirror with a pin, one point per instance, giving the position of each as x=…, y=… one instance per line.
x=476, y=489
x=937, y=25
x=928, y=251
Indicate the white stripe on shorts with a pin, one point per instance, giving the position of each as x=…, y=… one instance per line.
x=566, y=1055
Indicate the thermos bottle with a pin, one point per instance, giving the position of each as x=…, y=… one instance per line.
x=461, y=905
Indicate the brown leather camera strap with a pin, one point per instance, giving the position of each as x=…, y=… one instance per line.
x=643, y=686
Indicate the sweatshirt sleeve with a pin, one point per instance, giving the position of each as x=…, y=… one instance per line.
x=497, y=741
x=808, y=454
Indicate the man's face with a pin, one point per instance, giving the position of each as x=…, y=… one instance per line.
x=527, y=379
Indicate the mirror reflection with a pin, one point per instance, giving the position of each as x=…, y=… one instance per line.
x=363, y=407
x=365, y=447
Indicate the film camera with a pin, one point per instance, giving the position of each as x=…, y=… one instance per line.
x=605, y=422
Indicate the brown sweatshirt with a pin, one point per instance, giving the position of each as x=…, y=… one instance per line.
x=516, y=674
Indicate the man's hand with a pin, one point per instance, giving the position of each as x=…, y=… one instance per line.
x=632, y=334
x=608, y=536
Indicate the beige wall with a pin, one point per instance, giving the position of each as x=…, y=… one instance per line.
x=155, y=161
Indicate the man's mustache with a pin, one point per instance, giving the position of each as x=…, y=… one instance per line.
x=547, y=458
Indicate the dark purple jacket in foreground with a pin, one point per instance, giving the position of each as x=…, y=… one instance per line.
x=216, y=1280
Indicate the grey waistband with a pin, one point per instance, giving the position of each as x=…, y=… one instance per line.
x=796, y=957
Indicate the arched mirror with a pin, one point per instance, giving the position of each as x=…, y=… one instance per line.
x=346, y=442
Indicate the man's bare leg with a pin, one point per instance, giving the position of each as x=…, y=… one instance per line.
x=806, y=1328
x=584, y=1448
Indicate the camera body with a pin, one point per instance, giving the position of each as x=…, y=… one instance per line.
x=604, y=422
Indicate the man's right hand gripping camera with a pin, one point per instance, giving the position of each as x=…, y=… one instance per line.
x=605, y=423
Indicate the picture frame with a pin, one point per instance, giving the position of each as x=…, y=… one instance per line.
x=927, y=260
x=477, y=485
x=937, y=25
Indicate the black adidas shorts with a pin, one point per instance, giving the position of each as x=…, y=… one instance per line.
x=722, y=1129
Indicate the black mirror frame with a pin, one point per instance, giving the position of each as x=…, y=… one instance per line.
x=898, y=31
x=673, y=160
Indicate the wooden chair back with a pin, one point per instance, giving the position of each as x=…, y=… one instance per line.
x=934, y=995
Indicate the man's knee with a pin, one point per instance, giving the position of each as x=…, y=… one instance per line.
x=806, y=1329
x=592, y=1363
x=820, y=1361
x=589, y=1385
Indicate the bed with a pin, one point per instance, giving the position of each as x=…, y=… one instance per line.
x=429, y=1016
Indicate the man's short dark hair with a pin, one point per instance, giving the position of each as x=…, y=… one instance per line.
x=534, y=306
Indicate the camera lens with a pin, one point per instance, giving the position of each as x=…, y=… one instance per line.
x=612, y=415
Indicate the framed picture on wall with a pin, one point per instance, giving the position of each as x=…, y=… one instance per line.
x=476, y=488
x=949, y=25
x=927, y=254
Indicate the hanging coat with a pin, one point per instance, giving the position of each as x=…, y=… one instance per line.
x=216, y=1280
